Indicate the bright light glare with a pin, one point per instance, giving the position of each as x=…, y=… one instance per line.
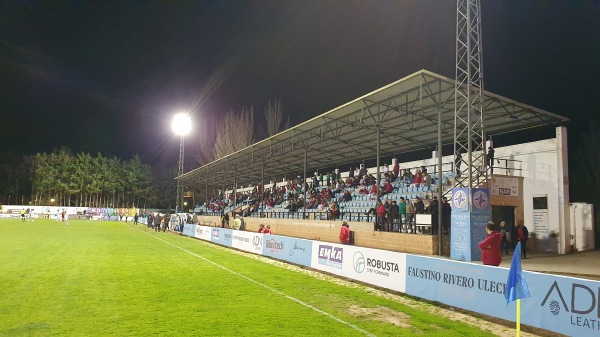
x=182, y=124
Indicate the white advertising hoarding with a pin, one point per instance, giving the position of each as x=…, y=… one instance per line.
x=381, y=268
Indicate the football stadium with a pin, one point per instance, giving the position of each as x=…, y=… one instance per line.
x=430, y=206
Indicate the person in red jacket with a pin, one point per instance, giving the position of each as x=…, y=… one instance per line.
x=490, y=246
x=345, y=233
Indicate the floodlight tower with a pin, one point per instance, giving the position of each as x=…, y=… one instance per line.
x=470, y=200
x=469, y=122
x=181, y=126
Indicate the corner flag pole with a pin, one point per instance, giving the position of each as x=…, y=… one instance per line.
x=519, y=317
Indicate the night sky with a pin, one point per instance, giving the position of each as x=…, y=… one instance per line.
x=107, y=76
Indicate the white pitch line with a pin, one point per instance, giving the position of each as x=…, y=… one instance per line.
x=269, y=288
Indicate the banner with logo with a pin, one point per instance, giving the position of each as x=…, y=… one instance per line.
x=247, y=241
x=293, y=250
x=378, y=267
x=566, y=305
x=221, y=236
x=189, y=229
x=203, y=232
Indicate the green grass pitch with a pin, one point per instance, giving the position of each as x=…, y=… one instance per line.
x=114, y=279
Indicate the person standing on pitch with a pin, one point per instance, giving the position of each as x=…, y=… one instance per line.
x=135, y=219
x=490, y=246
x=66, y=218
x=345, y=233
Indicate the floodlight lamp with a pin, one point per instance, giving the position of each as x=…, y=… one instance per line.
x=182, y=124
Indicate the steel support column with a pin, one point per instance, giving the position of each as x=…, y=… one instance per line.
x=262, y=194
x=378, y=180
x=439, y=182
x=304, y=183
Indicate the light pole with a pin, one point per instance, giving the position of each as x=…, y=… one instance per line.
x=181, y=126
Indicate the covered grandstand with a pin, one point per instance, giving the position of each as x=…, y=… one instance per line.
x=402, y=117
x=405, y=113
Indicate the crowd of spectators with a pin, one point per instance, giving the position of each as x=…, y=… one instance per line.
x=325, y=192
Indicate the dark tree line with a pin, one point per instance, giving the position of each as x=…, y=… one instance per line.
x=82, y=180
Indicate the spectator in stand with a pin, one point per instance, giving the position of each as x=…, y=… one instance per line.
x=396, y=170
x=426, y=180
x=432, y=209
x=407, y=177
x=446, y=216
x=347, y=196
x=261, y=228
x=387, y=189
x=380, y=215
x=402, y=213
x=418, y=178
x=345, y=233
x=268, y=230
x=334, y=211
x=363, y=171
x=394, y=214
x=373, y=191
x=490, y=246
x=410, y=215
x=315, y=181
x=419, y=206
x=388, y=220
x=363, y=190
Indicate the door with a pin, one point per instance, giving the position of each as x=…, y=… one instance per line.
x=506, y=214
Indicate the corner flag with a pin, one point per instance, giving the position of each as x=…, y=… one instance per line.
x=516, y=286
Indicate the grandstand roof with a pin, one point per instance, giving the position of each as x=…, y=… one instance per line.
x=406, y=111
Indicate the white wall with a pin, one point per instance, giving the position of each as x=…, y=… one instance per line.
x=582, y=224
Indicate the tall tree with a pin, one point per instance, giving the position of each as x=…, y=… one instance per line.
x=274, y=118
x=206, y=144
x=234, y=132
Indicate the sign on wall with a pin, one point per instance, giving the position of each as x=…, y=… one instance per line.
x=506, y=187
x=541, y=224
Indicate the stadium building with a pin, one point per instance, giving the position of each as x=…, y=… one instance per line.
x=407, y=121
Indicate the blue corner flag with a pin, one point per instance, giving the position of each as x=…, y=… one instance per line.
x=516, y=286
